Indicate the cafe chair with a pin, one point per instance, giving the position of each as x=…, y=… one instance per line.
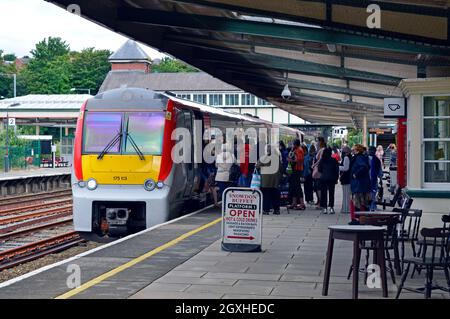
x=390, y=243
x=434, y=255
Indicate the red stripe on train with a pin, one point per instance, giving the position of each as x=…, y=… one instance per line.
x=168, y=143
x=77, y=159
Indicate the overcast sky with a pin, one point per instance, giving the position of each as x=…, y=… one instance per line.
x=23, y=23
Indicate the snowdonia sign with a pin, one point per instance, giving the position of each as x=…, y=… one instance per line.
x=242, y=219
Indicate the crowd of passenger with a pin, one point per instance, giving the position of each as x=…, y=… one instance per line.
x=308, y=173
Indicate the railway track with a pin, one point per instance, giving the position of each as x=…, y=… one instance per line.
x=20, y=200
x=35, y=225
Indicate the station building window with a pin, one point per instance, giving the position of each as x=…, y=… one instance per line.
x=200, y=98
x=436, y=138
x=262, y=102
x=248, y=99
x=184, y=96
x=231, y=99
x=215, y=99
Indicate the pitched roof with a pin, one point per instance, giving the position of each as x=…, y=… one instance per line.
x=129, y=51
x=45, y=101
x=181, y=81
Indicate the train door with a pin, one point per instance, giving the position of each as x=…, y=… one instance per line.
x=186, y=120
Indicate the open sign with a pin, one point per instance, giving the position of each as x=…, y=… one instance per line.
x=242, y=219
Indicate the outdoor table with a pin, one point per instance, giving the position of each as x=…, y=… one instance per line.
x=356, y=234
x=383, y=215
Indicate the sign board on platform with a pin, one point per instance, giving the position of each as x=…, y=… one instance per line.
x=395, y=107
x=11, y=121
x=242, y=219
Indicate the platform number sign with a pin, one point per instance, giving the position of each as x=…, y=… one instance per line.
x=11, y=121
x=242, y=219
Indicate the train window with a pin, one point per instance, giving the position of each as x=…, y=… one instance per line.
x=100, y=128
x=146, y=130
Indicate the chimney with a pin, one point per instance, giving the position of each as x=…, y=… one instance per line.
x=130, y=57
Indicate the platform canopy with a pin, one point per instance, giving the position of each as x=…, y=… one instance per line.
x=337, y=68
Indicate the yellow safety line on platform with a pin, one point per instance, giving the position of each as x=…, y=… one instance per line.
x=133, y=262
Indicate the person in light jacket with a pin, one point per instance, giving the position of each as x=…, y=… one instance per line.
x=344, y=169
x=224, y=161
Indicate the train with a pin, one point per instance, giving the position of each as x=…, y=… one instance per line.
x=125, y=178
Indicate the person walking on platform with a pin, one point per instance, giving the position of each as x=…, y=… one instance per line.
x=307, y=175
x=246, y=175
x=344, y=169
x=315, y=167
x=360, y=178
x=270, y=179
x=296, y=158
x=224, y=161
x=329, y=169
x=375, y=173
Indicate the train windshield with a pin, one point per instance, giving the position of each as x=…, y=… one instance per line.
x=146, y=130
x=100, y=129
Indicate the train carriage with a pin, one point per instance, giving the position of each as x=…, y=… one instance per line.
x=124, y=177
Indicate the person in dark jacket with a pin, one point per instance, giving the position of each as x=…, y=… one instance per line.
x=329, y=169
x=307, y=175
x=375, y=172
x=360, y=178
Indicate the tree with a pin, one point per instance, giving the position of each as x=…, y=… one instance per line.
x=48, y=50
x=50, y=77
x=172, y=65
x=89, y=68
x=11, y=57
x=48, y=70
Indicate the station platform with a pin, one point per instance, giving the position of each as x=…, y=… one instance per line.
x=183, y=259
x=31, y=173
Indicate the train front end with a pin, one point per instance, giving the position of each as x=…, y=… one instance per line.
x=121, y=176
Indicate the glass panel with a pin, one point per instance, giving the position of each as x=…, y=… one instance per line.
x=200, y=98
x=100, y=128
x=437, y=151
x=437, y=128
x=437, y=172
x=147, y=130
x=437, y=106
x=215, y=99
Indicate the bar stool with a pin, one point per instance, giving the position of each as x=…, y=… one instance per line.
x=356, y=234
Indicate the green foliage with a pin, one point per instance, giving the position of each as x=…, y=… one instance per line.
x=337, y=142
x=9, y=57
x=170, y=65
x=354, y=137
x=89, y=68
x=48, y=50
x=54, y=69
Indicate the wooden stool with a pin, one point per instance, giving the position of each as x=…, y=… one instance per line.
x=356, y=234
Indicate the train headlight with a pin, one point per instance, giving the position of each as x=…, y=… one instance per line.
x=91, y=184
x=149, y=184
x=81, y=184
x=160, y=184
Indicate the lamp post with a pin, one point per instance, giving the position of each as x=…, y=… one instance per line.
x=7, y=137
x=77, y=89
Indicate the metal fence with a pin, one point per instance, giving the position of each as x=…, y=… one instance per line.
x=22, y=157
